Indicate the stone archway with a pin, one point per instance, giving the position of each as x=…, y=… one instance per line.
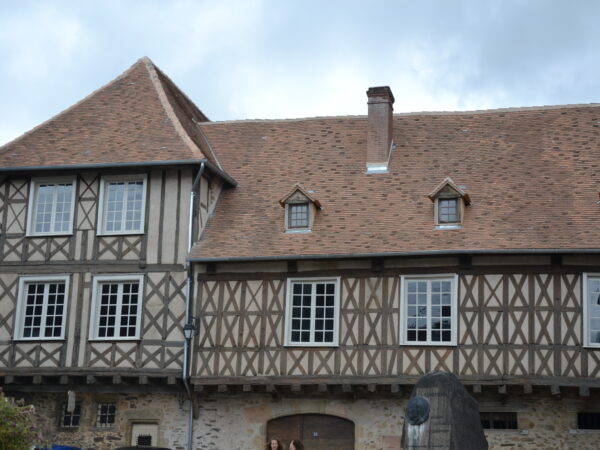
x=316, y=431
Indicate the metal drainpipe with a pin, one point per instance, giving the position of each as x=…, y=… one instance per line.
x=188, y=309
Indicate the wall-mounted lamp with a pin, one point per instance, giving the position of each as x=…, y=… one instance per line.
x=190, y=329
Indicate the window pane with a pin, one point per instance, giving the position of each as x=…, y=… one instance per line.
x=298, y=215
x=312, y=312
x=52, y=208
x=448, y=210
x=428, y=311
x=594, y=309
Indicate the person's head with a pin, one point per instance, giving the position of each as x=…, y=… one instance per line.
x=274, y=444
x=296, y=445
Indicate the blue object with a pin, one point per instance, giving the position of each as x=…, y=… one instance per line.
x=64, y=447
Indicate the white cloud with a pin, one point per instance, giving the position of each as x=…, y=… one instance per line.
x=39, y=43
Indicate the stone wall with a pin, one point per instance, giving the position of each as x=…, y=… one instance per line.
x=238, y=421
x=163, y=410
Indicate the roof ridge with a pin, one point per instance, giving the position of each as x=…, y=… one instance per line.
x=74, y=105
x=162, y=96
x=412, y=113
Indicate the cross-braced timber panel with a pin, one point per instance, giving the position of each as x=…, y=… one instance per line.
x=16, y=205
x=87, y=201
x=8, y=304
x=164, y=306
x=119, y=248
x=46, y=354
x=166, y=355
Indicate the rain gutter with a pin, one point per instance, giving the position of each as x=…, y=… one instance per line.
x=423, y=253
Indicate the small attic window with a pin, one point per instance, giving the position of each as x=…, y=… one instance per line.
x=449, y=204
x=298, y=216
x=300, y=209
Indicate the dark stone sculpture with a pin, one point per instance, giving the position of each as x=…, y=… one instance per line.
x=441, y=414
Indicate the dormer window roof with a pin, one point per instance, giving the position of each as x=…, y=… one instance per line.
x=300, y=208
x=450, y=201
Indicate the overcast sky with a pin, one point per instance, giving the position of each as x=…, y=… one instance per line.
x=297, y=58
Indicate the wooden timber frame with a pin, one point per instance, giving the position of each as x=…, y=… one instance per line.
x=519, y=328
x=152, y=363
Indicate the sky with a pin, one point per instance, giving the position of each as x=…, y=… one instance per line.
x=257, y=59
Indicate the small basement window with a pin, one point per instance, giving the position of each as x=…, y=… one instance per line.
x=588, y=421
x=105, y=416
x=499, y=420
x=300, y=210
x=70, y=419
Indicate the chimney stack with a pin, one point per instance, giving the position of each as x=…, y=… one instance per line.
x=379, y=138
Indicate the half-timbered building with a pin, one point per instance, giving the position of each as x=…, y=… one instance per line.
x=201, y=284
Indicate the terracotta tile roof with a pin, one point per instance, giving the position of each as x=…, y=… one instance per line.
x=533, y=176
x=141, y=116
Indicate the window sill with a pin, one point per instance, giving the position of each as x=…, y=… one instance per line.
x=299, y=231
x=34, y=340
x=115, y=339
x=450, y=226
x=428, y=344
x=43, y=235
x=122, y=233
x=311, y=345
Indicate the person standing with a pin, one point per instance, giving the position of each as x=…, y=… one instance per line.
x=274, y=444
x=296, y=445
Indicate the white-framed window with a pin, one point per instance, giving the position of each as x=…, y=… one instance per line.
x=51, y=206
x=122, y=204
x=428, y=310
x=591, y=310
x=42, y=307
x=312, y=312
x=105, y=414
x=116, y=307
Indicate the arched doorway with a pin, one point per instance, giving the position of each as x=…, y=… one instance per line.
x=316, y=431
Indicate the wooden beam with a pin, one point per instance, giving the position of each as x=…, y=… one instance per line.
x=584, y=391
x=247, y=388
x=502, y=389
x=322, y=388
x=555, y=389
x=377, y=265
x=292, y=266
x=222, y=388
x=116, y=379
x=476, y=389
x=37, y=379
x=527, y=389
x=90, y=379
x=143, y=379
x=64, y=379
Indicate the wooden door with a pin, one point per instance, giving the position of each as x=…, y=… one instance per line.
x=316, y=431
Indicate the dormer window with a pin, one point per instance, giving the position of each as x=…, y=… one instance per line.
x=298, y=216
x=448, y=210
x=449, y=204
x=300, y=209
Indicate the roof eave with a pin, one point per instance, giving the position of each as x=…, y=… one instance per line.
x=517, y=251
x=65, y=167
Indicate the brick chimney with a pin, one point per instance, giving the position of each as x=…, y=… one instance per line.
x=379, y=138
